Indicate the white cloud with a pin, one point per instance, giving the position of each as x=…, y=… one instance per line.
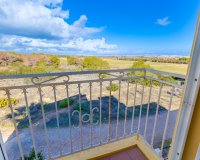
x=41, y=25
x=25, y=44
x=52, y=3
x=163, y=21
x=40, y=18
x=78, y=28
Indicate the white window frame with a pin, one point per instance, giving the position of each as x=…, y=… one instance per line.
x=188, y=102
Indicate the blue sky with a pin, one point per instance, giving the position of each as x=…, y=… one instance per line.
x=106, y=27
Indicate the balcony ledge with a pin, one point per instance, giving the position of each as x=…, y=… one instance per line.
x=113, y=147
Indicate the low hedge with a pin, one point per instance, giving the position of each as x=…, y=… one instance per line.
x=5, y=103
x=114, y=87
x=64, y=103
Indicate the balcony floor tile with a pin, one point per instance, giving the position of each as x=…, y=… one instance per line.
x=132, y=153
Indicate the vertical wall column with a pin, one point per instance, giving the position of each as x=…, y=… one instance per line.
x=188, y=103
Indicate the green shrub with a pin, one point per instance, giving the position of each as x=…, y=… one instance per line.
x=114, y=87
x=64, y=103
x=78, y=69
x=166, y=78
x=154, y=82
x=183, y=60
x=95, y=63
x=27, y=70
x=47, y=106
x=84, y=107
x=32, y=155
x=71, y=60
x=139, y=64
x=147, y=82
x=55, y=61
x=11, y=52
x=103, y=75
x=4, y=102
x=41, y=63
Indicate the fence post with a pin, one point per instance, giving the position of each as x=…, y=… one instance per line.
x=3, y=154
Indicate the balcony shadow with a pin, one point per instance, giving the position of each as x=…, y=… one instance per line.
x=22, y=122
x=51, y=119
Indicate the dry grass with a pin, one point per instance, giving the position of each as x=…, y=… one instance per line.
x=169, y=67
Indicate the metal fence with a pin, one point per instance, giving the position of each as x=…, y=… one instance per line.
x=89, y=108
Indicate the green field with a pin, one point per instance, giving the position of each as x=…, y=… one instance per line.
x=168, y=67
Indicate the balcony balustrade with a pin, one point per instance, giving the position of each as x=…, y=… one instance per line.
x=57, y=114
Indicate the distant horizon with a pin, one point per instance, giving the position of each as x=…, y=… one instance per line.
x=113, y=54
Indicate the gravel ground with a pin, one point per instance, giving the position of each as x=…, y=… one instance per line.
x=59, y=139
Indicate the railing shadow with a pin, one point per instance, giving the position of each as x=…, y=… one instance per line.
x=22, y=121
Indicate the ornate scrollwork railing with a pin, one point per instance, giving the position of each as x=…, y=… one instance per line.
x=35, y=80
x=86, y=117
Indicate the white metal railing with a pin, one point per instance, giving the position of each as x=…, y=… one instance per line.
x=94, y=124
x=3, y=154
